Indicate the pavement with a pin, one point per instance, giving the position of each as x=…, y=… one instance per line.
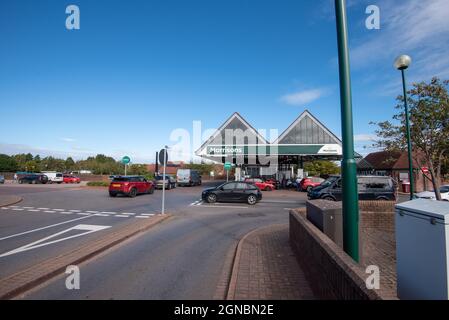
x=265, y=267
x=7, y=200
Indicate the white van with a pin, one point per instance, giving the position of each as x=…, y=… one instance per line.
x=188, y=177
x=54, y=177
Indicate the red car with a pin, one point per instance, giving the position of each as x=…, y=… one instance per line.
x=260, y=184
x=130, y=186
x=71, y=179
x=308, y=183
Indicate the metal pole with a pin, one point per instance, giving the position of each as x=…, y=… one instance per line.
x=163, y=181
x=125, y=168
x=348, y=165
x=409, y=142
x=227, y=175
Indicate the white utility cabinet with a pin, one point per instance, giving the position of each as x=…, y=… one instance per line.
x=422, y=249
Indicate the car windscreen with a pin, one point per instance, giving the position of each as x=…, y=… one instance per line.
x=121, y=179
x=444, y=189
x=59, y=175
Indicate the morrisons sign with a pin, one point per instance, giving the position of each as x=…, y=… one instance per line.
x=270, y=149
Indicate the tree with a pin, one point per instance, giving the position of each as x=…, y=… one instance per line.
x=321, y=168
x=429, y=126
x=7, y=163
x=69, y=164
x=138, y=169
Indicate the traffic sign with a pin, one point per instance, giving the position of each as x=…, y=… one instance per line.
x=163, y=156
x=126, y=160
x=228, y=166
x=425, y=169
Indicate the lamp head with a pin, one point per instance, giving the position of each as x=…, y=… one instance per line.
x=402, y=62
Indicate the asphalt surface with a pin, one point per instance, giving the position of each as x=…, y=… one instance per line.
x=181, y=258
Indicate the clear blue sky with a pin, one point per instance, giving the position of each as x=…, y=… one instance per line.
x=136, y=70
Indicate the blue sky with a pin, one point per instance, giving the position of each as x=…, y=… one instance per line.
x=137, y=70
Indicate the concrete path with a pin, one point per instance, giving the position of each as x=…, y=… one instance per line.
x=7, y=200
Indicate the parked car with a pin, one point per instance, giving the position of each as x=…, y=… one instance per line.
x=233, y=192
x=33, y=179
x=170, y=182
x=68, y=178
x=130, y=186
x=260, y=184
x=54, y=177
x=188, y=177
x=274, y=182
x=444, y=191
x=306, y=184
x=369, y=187
x=2, y=179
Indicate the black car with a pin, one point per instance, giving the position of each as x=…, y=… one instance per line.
x=369, y=188
x=233, y=192
x=34, y=179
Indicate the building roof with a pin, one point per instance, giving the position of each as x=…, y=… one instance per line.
x=386, y=160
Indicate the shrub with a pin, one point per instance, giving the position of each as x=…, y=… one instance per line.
x=98, y=184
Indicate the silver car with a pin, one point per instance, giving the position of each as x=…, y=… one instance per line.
x=444, y=191
x=2, y=179
x=170, y=182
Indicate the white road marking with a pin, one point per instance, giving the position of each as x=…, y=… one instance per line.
x=121, y=216
x=42, y=242
x=142, y=217
x=67, y=212
x=228, y=207
x=93, y=211
x=28, y=207
x=129, y=214
x=75, y=210
x=108, y=212
x=49, y=211
x=83, y=214
x=43, y=228
x=6, y=208
x=147, y=214
x=44, y=208
x=101, y=215
x=18, y=209
x=59, y=209
x=33, y=210
x=14, y=206
x=280, y=201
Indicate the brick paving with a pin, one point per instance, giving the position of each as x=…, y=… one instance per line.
x=379, y=248
x=266, y=268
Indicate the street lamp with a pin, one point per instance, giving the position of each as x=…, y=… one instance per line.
x=348, y=164
x=401, y=63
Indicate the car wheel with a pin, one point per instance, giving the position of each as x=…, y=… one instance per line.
x=169, y=186
x=252, y=200
x=267, y=189
x=309, y=188
x=133, y=193
x=33, y=182
x=212, y=198
x=112, y=194
x=328, y=198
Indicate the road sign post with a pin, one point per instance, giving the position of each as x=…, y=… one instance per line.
x=163, y=158
x=227, y=167
x=126, y=160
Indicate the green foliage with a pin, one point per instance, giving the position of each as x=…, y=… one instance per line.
x=98, y=184
x=321, y=168
x=7, y=163
x=138, y=170
x=429, y=125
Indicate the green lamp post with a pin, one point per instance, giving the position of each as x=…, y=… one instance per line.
x=402, y=63
x=348, y=166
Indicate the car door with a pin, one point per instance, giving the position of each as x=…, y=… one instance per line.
x=336, y=190
x=227, y=192
x=240, y=192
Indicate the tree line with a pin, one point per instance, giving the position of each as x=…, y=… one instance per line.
x=100, y=164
